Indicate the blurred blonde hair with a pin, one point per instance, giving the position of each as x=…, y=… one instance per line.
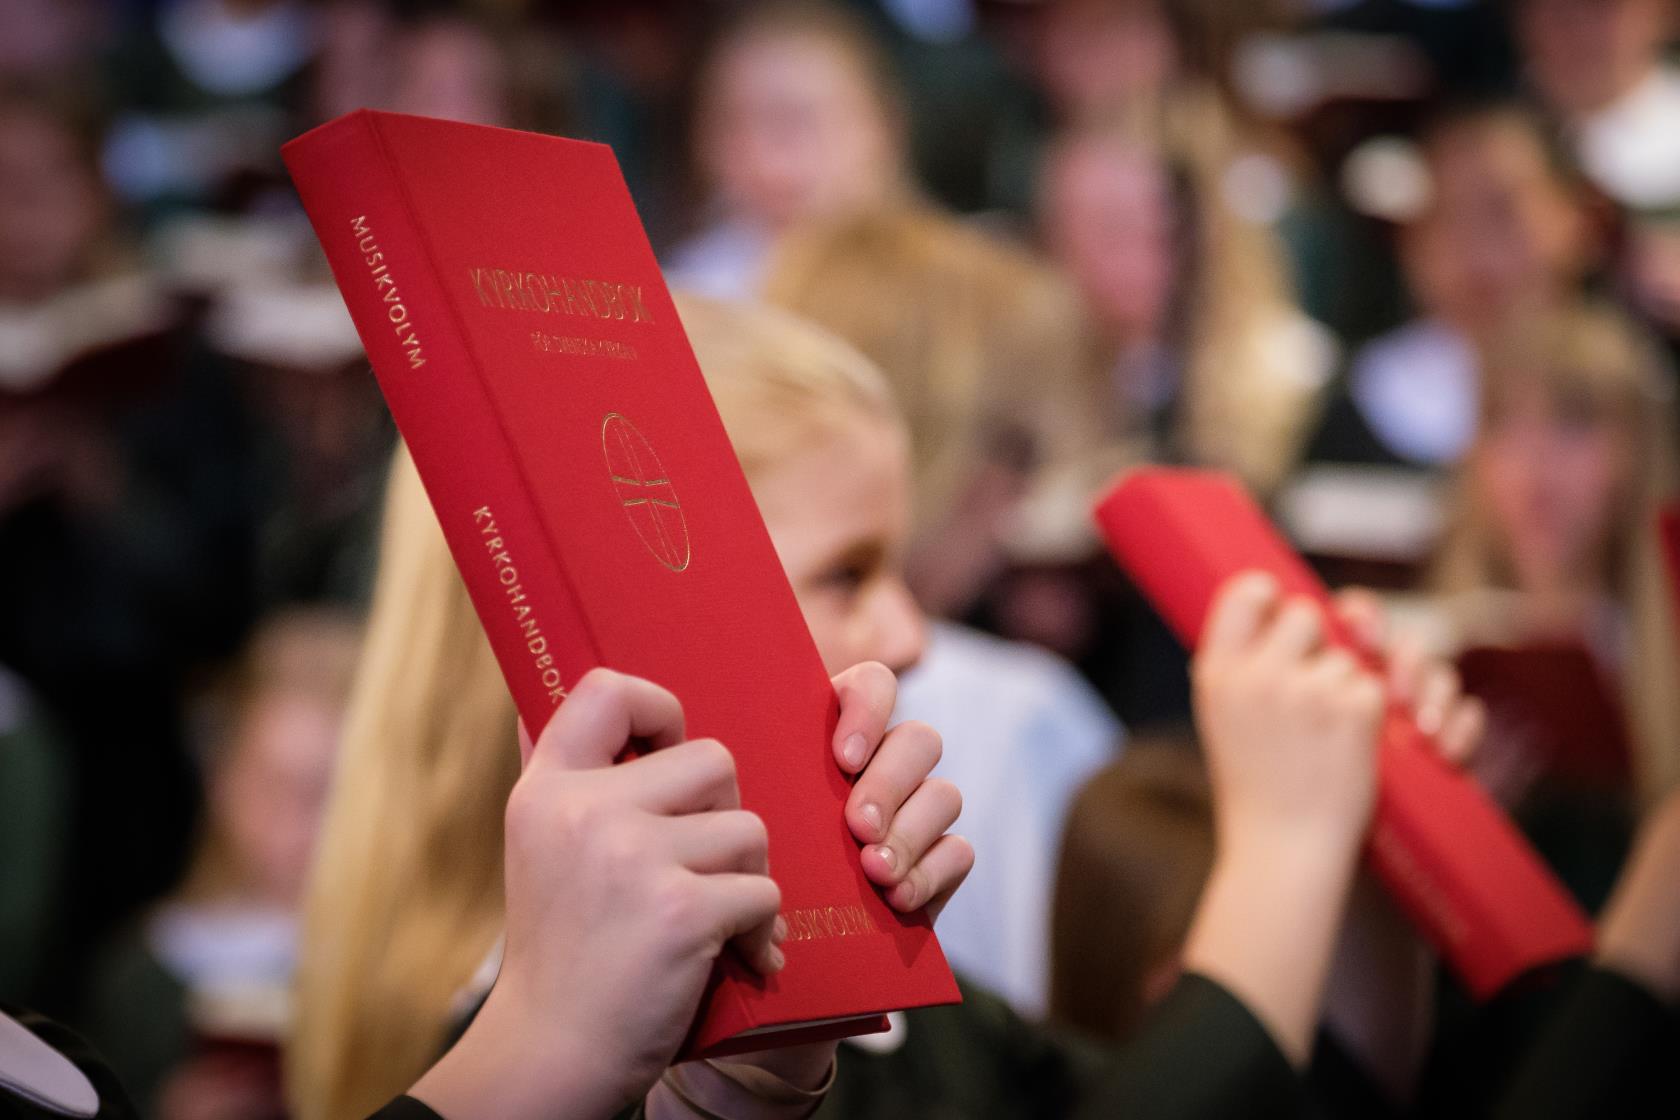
x=1592, y=362
x=1247, y=398
x=984, y=346
x=405, y=901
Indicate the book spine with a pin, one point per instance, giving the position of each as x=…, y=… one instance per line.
x=436, y=394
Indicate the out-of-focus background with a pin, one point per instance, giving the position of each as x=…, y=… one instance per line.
x=1411, y=268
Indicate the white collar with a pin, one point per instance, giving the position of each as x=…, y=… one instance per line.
x=1631, y=147
x=35, y=1072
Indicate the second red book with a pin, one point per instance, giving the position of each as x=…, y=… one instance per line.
x=1448, y=855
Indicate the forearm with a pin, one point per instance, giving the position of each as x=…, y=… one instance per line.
x=1267, y=926
x=500, y=1069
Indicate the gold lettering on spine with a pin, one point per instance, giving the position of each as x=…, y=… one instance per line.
x=396, y=311
x=507, y=574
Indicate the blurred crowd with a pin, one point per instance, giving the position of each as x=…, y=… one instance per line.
x=1409, y=268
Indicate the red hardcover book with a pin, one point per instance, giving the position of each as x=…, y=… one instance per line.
x=1552, y=701
x=1445, y=851
x=1668, y=535
x=532, y=357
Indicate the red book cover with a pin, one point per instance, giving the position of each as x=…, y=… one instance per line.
x=1668, y=534
x=532, y=357
x=1465, y=876
x=1552, y=701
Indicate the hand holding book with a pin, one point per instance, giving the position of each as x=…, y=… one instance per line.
x=1290, y=725
x=625, y=882
x=1456, y=865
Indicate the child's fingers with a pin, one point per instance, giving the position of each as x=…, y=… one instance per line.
x=1363, y=614
x=603, y=713
x=693, y=777
x=868, y=693
x=1408, y=666
x=905, y=758
x=718, y=841
x=932, y=881
x=1438, y=691
x=926, y=816
x=1463, y=731
x=1295, y=632
x=1239, y=612
x=743, y=908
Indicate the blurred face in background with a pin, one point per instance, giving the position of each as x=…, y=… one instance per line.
x=838, y=511
x=1109, y=220
x=1502, y=234
x=268, y=796
x=1584, y=54
x=453, y=70
x=52, y=206
x=1096, y=56
x=1554, y=476
x=792, y=128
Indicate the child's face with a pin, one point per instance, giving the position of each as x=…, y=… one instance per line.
x=51, y=207
x=793, y=131
x=1095, y=55
x=1585, y=53
x=838, y=512
x=1109, y=221
x=1502, y=233
x=270, y=793
x=453, y=71
x=1555, y=484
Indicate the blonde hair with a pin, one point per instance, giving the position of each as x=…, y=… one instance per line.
x=405, y=900
x=984, y=346
x=1247, y=396
x=1591, y=362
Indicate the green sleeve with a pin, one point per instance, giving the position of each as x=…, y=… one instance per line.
x=1201, y=1055
x=33, y=812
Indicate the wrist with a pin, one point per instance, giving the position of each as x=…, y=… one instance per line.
x=514, y=1065
x=1294, y=852
x=1267, y=923
x=805, y=1067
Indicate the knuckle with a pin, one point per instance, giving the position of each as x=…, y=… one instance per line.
x=677, y=905
x=771, y=902
x=914, y=887
x=946, y=792
x=713, y=759
x=880, y=683
x=754, y=831
x=598, y=684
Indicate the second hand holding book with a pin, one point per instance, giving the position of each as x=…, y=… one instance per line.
x=1457, y=866
x=523, y=337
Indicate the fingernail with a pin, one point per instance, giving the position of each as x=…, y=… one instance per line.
x=903, y=896
x=854, y=749
x=779, y=931
x=887, y=857
x=871, y=815
x=1430, y=719
x=778, y=959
